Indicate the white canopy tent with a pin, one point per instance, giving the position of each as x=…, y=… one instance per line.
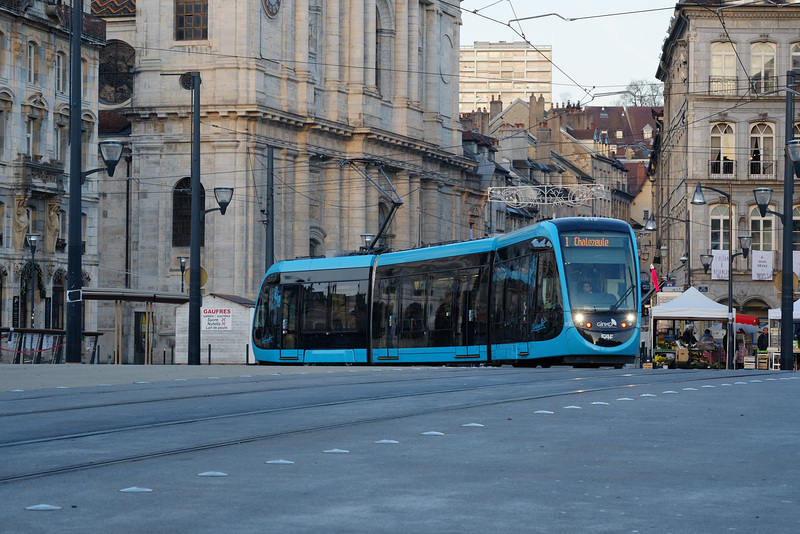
x=775, y=313
x=691, y=305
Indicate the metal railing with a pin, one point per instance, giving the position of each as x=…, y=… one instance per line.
x=725, y=168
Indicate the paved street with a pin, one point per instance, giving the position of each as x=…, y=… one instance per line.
x=360, y=449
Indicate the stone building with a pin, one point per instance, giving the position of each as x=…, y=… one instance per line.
x=720, y=130
x=34, y=158
x=334, y=90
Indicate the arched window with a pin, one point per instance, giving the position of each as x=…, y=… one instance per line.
x=722, y=149
x=762, y=141
x=720, y=227
x=762, y=230
x=762, y=67
x=723, y=69
x=182, y=214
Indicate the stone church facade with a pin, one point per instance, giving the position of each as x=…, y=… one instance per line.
x=337, y=91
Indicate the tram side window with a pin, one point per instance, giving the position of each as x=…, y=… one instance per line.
x=266, y=332
x=348, y=307
x=315, y=308
x=548, y=312
x=510, y=310
x=412, y=325
x=501, y=272
x=440, y=309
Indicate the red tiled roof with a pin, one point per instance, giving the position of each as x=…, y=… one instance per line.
x=114, y=8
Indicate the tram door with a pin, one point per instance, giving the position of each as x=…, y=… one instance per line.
x=385, y=321
x=466, y=316
x=289, y=316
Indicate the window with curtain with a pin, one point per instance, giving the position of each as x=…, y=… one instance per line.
x=762, y=230
x=722, y=149
x=762, y=139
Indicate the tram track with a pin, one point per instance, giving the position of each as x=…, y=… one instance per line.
x=194, y=394
x=560, y=391
x=260, y=437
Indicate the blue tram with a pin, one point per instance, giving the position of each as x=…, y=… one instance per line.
x=565, y=291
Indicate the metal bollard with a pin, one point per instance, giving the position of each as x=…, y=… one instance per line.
x=209, y=354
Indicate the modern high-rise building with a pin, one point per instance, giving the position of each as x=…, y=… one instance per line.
x=504, y=71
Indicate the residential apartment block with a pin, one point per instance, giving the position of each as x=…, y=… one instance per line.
x=506, y=71
x=723, y=65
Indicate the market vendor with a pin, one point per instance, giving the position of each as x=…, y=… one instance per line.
x=688, y=335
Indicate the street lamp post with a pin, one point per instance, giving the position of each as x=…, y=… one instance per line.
x=698, y=199
x=33, y=239
x=191, y=81
x=111, y=152
x=790, y=170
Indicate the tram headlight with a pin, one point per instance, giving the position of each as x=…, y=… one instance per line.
x=630, y=318
x=578, y=318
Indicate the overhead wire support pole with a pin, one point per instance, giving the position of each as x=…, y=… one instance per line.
x=787, y=286
x=74, y=239
x=195, y=299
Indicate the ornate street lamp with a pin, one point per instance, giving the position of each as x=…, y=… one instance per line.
x=182, y=260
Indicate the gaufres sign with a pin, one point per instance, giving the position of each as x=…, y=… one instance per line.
x=216, y=319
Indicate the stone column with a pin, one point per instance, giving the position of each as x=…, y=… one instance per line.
x=401, y=44
x=332, y=40
x=370, y=41
x=301, y=66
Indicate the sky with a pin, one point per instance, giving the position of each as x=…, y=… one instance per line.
x=606, y=52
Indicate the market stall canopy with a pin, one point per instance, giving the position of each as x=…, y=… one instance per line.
x=775, y=313
x=743, y=319
x=691, y=305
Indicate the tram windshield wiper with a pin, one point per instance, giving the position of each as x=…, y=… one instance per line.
x=621, y=299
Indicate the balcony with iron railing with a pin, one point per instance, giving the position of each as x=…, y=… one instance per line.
x=762, y=169
x=723, y=85
x=42, y=178
x=762, y=84
x=724, y=169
